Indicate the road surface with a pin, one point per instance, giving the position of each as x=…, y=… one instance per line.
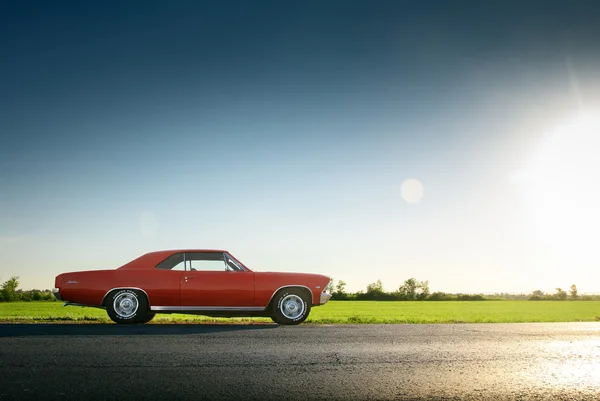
x=437, y=362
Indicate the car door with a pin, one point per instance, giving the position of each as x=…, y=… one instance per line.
x=207, y=283
x=163, y=283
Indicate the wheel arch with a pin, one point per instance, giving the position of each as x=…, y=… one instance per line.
x=103, y=303
x=307, y=291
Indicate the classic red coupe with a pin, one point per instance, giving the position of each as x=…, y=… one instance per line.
x=202, y=282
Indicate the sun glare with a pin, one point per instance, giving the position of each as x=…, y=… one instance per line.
x=411, y=190
x=564, y=187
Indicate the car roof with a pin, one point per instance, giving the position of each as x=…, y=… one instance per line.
x=151, y=259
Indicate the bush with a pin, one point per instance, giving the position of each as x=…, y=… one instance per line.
x=467, y=297
x=439, y=296
x=337, y=296
x=375, y=296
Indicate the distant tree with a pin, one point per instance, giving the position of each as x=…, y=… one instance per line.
x=413, y=289
x=375, y=288
x=9, y=289
x=573, y=291
x=560, y=294
x=422, y=289
x=537, y=295
x=340, y=288
x=408, y=290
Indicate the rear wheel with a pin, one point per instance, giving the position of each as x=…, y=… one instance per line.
x=149, y=316
x=290, y=306
x=128, y=307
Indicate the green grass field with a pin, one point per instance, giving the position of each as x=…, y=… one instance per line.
x=344, y=312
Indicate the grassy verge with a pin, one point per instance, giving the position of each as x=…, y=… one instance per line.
x=457, y=312
x=346, y=312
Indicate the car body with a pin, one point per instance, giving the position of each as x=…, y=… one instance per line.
x=193, y=281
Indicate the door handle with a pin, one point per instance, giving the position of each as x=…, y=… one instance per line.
x=186, y=278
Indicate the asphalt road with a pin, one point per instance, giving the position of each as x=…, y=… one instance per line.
x=438, y=362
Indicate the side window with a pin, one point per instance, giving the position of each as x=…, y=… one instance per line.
x=208, y=265
x=205, y=261
x=199, y=261
x=173, y=262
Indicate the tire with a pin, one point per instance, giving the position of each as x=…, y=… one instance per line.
x=290, y=306
x=128, y=307
x=149, y=316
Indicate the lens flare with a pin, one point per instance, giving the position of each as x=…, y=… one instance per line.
x=411, y=190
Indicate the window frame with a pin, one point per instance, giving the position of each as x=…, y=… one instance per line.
x=187, y=257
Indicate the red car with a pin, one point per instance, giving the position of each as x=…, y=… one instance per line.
x=203, y=282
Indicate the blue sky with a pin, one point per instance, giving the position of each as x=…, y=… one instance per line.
x=283, y=133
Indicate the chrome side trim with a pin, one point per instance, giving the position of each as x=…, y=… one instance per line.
x=312, y=297
x=208, y=308
x=73, y=304
x=125, y=288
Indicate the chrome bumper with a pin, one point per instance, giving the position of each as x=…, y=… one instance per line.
x=56, y=293
x=324, y=298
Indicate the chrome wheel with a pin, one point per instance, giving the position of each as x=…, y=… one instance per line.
x=125, y=305
x=292, y=306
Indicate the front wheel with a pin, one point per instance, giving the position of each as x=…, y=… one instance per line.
x=290, y=307
x=128, y=307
